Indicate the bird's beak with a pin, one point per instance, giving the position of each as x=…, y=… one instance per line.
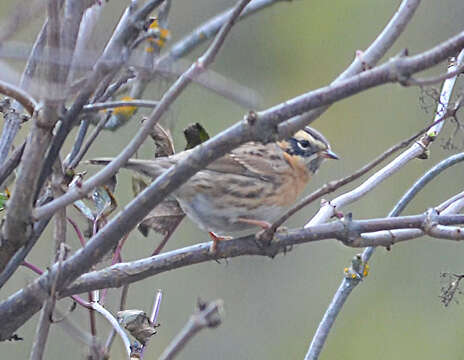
x=329, y=154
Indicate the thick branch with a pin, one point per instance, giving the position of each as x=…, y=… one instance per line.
x=348, y=231
x=261, y=126
x=347, y=285
x=104, y=240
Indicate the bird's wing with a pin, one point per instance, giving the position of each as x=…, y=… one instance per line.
x=252, y=160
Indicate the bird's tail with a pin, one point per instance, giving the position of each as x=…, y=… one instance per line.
x=151, y=168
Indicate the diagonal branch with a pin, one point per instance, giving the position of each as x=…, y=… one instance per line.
x=100, y=244
x=208, y=316
x=262, y=126
x=347, y=285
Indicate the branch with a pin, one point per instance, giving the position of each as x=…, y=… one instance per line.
x=207, y=316
x=262, y=126
x=330, y=208
x=347, y=231
x=113, y=58
x=347, y=285
x=101, y=243
x=12, y=163
x=386, y=238
x=113, y=104
x=391, y=237
x=11, y=128
x=336, y=184
x=14, y=92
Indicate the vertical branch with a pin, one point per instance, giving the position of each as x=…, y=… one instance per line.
x=445, y=95
x=11, y=128
x=43, y=326
x=59, y=231
x=43, y=329
x=348, y=284
x=17, y=227
x=107, y=65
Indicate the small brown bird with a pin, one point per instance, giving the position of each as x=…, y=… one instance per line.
x=248, y=187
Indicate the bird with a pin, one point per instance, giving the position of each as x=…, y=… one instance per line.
x=248, y=187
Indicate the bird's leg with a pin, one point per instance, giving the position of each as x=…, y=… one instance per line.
x=260, y=223
x=263, y=237
x=216, y=238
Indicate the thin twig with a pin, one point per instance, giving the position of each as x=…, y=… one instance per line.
x=110, y=61
x=12, y=163
x=262, y=126
x=21, y=96
x=208, y=316
x=122, y=306
x=389, y=238
x=92, y=137
x=347, y=285
x=43, y=326
x=336, y=184
x=114, y=104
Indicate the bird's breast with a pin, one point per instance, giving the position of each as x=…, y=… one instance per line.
x=291, y=183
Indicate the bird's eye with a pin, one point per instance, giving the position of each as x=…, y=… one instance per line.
x=304, y=144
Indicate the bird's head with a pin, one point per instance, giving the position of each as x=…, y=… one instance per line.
x=311, y=146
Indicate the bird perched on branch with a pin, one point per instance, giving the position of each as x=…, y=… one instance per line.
x=248, y=187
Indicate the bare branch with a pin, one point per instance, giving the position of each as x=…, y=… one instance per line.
x=347, y=285
x=114, y=104
x=92, y=137
x=207, y=316
x=392, y=237
x=336, y=184
x=261, y=126
x=330, y=208
x=347, y=231
x=84, y=259
x=12, y=163
x=14, y=92
x=113, y=58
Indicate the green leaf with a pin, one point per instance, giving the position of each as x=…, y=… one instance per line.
x=195, y=134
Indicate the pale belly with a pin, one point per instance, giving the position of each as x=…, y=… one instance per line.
x=210, y=216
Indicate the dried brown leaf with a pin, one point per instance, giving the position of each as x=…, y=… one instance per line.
x=163, y=219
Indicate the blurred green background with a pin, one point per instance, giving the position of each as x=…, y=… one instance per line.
x=273, y=307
